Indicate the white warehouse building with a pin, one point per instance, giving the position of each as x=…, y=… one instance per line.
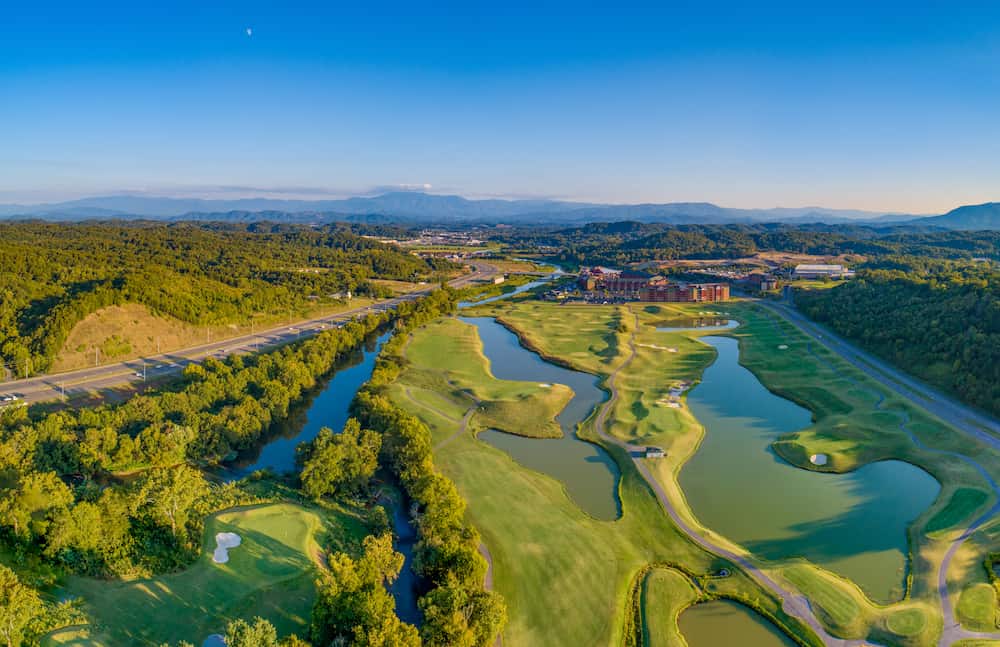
x=807, y=271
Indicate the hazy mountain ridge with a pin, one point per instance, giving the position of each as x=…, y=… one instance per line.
x=424, y=208
x=968, y=217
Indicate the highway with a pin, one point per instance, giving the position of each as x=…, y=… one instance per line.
x=136, y=372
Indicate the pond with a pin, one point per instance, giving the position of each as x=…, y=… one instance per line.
x=556, y=273
x=724, y=622
x=588, y=473
x=852, y=524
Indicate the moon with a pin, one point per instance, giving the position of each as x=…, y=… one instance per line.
x=249, y=31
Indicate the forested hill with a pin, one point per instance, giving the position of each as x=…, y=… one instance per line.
x=936, y=320
x=974, y=216
x=619, y=243
x=53, y=275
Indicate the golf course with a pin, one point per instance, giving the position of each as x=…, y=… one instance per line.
x=269, y=574
x=824, y=507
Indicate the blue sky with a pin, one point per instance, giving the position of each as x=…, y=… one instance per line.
x=877, y=105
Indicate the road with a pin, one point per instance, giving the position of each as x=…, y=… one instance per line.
x=138, y=371
x=962, y=418
x=794, y=604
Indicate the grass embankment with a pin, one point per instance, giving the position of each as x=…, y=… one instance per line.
x=566, y=576
x=665, y=594
x=132, y=330
x=270, y=574
x=855, y=422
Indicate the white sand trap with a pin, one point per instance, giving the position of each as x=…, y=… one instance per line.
x=783, y=347
x=655, y=347
x=818, y=459
x=223, y=542
x=545, y=385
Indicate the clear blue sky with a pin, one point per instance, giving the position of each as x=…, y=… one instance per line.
x=880, y=105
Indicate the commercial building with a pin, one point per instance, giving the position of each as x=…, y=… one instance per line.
x=667, y=292
x=807, y=271
x=632, y=285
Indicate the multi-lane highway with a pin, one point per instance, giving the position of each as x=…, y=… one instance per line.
x=138, y=371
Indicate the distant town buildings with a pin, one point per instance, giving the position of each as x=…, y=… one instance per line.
x=808, y=271
x=633, y=285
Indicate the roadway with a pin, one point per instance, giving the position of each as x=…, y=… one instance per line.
x=961, y=417
x=137, y=372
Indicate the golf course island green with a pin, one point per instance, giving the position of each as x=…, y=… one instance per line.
x=270, y=574
x=864, y=544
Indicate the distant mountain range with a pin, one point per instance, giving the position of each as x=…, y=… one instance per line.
x=424, y=208
x=970, y=217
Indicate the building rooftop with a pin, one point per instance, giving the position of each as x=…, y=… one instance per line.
x=806, y=267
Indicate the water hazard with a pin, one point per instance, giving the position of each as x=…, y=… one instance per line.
x=853, y=524
x=724, y=622
x=589, y=474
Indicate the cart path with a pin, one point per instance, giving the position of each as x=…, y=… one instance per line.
x=792, y=603
x=960, y=417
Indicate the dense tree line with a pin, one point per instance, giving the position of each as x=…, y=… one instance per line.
x=936, y=319
x=458, y=612
x=620, y=243
x=61, y=509
x=53, y=275
x=60, y=513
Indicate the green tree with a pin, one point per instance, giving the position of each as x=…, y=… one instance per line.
x=168, y=494
x=28, y=508
x=352, y=604
x=261, y=633
x=342, y=462
x=19, y=605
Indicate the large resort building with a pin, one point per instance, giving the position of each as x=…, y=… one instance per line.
x=632, y=285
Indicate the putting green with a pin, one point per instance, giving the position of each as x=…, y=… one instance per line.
x=270, y=575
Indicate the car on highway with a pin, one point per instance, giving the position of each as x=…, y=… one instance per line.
x=10, y=397
x=139, y=374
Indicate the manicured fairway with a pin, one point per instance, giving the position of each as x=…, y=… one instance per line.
x=269, y=575
x=546, y=551
x=567, y=578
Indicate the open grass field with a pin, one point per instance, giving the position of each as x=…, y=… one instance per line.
x=566, y=576
x=270, y=574
x=131, y=330
x=540, y=540
x=665, y=594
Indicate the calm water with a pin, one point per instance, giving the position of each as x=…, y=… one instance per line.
x=724, y=622
x=853, y=524
x=589, y=474
x=327, y=409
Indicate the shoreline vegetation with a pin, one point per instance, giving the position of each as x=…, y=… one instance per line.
x=153, y=523
x=581, y=345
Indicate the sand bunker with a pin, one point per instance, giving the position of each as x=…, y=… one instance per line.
x=655, y=347
x=223, y=542
x=545, y=385
x=818, y=459
x=783, y=347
